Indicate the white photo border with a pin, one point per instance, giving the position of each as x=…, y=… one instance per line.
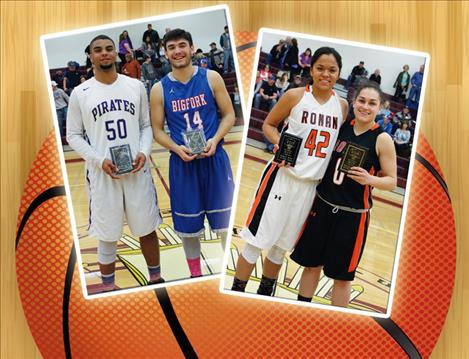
x=425, y=55
x=43, y=39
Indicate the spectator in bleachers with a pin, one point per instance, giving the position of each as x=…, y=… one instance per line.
x=402, y=83
x=267, y=96
x=287, y=45
x=165, y=67
x=131, y=67
x=226, y=45
x=376, y=76
x=149, y=74
x=149, y=48
x=125, y=46
x=385, y=111
x=386, y=125
x=71, y=77
x=305, y=63
x=216, y=58
x=58, y=77
x=282, y=83
x=402, y=140
x=359, y=79
x=236, y=101
x=416, y=88
x=297, y=82
x=61, y=105
x=89, y=65
x=276, y=53
x=262, y=76
x=154, y=36
x=404, y=115
x=199, y=55
x=358, y=70
x=203, y=63
x=291, y=58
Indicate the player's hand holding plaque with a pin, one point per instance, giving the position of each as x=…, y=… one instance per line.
x=288, y=149
x=354, y=156
x=121, y=158
x=194, y=139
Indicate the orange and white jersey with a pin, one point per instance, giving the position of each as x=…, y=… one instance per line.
x=318, y=125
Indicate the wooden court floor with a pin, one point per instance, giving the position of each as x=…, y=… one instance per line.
x=131, y=268
x=370, y=289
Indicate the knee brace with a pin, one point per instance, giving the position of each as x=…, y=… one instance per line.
x=106, y=252
x=276, y=255
x=251, y=253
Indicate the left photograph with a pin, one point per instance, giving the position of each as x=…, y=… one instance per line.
x=149, y=121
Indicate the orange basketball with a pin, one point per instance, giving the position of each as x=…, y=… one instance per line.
x=195, y=319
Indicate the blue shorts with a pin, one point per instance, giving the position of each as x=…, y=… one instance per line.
x=198, y=188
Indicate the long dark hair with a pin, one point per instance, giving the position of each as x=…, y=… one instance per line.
x=325, y=50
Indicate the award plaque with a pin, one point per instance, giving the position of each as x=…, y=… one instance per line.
x=195, y=140
x=354, y=156
x=288, y=149
x=121, y=158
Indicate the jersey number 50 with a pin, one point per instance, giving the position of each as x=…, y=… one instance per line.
x=116, y=129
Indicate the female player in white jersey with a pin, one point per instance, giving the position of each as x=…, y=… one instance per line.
x=285, y=194
x=106, y=111
x=335, y=234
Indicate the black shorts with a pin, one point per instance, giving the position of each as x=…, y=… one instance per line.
x=332, y=240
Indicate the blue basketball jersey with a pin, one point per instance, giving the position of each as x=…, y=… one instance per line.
x=190, y=106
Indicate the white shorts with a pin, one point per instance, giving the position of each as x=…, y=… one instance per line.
x=133, y=195
x=279, y=210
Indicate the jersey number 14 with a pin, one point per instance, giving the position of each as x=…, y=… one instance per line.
x=197, y=120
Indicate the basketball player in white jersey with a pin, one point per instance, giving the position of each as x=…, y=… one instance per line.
x=105, y=111
x=285, y=194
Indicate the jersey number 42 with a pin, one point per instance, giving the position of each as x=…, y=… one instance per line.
x=311, y=145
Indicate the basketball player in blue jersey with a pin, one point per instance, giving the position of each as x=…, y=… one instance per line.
x=106, y=111
x=189, y=98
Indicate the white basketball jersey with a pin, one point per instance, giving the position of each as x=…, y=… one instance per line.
x=110, y=115
x=318, y=125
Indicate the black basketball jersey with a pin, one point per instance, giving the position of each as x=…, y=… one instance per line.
x=335, y=186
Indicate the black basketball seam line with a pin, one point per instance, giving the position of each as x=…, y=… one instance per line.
x=424, y=162
x=246, y=46
x=420, y=158
x=66, y=302
x=399, y=336
x=388, y=324
x=41, y=198
x=49, y=193
x=166, y=305
x=443, y=185
x=174, y=324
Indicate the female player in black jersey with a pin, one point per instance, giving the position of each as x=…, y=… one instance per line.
x=334, y=235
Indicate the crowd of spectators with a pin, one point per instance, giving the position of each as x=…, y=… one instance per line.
x=146, y=63
x=285, y=67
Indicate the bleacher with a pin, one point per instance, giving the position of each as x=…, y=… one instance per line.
x=229, y=79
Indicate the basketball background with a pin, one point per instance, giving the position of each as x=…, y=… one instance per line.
x=437, y=28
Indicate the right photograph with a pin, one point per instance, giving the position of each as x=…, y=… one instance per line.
x=321, y=200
